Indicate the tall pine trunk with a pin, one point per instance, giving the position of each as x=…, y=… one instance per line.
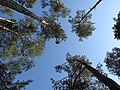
x=15, y=6
x=107, y=81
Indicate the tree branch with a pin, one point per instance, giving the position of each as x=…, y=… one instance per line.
x=10, y=21
x=7, y=29
x=89, y=11
x=77, y=77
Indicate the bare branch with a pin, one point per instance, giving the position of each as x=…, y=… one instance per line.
x=89, y=11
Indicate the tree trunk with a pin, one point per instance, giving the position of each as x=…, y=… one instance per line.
x=15, y=6
x=6, y=20
x=107, y=81
x=9, y=30
x=3, y=24
x=89, y=11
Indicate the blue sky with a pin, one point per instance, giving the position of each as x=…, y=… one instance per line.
x=94, y=47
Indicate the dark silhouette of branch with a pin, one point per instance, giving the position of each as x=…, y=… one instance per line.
x=77, y=77
x=89, y=11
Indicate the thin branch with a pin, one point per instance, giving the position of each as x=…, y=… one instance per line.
x=77, y=77
x=73, y=73
x=64, y=63
x=10, y=21
x=76, y=69
x=89, y=11
x=9, y=30
x=62, y=79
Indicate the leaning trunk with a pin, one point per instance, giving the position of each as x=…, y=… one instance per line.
x=15, y=6
x=107, y=81
x=3, y=25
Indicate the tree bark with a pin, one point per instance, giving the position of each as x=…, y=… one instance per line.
x=9, y=30
x=107, y=81
x=3, y=21
x=15, y=6
x=7, y=20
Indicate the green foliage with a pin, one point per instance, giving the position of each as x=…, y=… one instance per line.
x=13, y=56
x=83, y=28
x=10, y=51
x=95, y=84
x=27, y=44
x=26, y=3
x=9, y=11
x=6, y=10
x=99, y=68
x=116, y=27
x=53, y=30
x=78, y=76
x=56, y=8
x=52, y=25
x=8, y=72
x=51, y=15
x=35, y=48
x=18, y=51
x=112, y=61
x=27, y=26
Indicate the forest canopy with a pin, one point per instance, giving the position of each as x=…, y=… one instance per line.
x=23, y=39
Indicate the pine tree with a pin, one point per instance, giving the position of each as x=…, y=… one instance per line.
x=15, y=6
